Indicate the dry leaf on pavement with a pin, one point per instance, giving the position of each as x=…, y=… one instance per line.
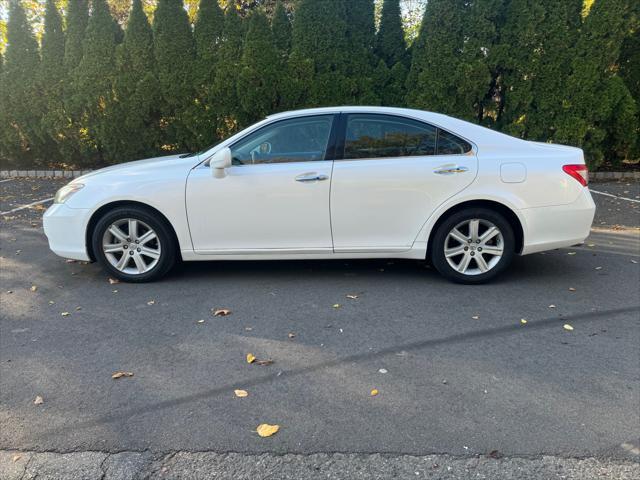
x=221, y=312
x=571, y=289
x=291, y=335
x=113, y=281
x=38, y=400
x=523, y=321
x=16, y=457
x=476, y=317
x=352, y=297
x=567, y=327
x=264, y=363
x=151, y=302
x=120, y=374
x=336, y=305
x=33, y=288
x=65, y=314
x=251, y=358
x=266, y=430
x=241, y=393
x=374, y=392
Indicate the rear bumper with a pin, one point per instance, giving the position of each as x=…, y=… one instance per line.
x=547, y=228
x=65, y=229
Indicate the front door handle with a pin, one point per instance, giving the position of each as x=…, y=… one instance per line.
x=311, y=177
x=447, y=170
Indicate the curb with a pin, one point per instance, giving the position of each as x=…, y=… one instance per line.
x=77, y=173
x=42, y=173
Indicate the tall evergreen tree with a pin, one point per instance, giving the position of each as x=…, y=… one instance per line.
x=318, y=62
x=391, y=73
x=360, y=56
x=133, y=117
x=94, y=78
x=174, y=53
x=281, y=28
x=50, y=79
x=449, y=70
x=225, y=79
x=258, y=74
x=630, y=69
x=598, y=103
x=208, y=32
x=76, y=22
x=20, y=132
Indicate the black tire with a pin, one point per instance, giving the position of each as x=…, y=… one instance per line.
x=165, y=236
x=439, y=259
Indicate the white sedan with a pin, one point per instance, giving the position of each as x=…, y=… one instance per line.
x=332, y=183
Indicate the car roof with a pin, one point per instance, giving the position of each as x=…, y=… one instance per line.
x=470, y=131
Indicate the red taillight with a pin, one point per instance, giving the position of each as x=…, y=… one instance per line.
x=579, y=172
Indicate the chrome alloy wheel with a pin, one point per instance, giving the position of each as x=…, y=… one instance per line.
x=474, y=247
x=131, y=246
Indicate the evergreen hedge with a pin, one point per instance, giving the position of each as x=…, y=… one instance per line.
x=88, y=94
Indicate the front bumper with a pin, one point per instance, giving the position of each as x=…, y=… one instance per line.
x=65, y=229
x=547, y=228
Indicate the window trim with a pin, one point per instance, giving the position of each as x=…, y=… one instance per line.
x=341, y=143
x=330, y=149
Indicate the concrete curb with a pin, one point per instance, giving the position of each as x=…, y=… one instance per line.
x=76, y=173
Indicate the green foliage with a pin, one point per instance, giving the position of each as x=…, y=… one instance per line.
x=281, y=28
x=390, y=44
x=76, y=21
x=258, y=74
x=360, y=57
x=208, y=34
x=133, y=128
x=20, y=129
x=174, y=54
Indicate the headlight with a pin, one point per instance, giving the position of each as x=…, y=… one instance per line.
x=66, y=191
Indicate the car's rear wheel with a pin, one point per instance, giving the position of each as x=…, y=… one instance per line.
x=134, y=245
x=473, y=246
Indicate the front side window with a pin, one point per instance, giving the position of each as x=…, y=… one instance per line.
x=302, y=139
x=380, y=136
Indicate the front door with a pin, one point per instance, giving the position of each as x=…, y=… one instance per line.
x=275, y=196
x=395, y=171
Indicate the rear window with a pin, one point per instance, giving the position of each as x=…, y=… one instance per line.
x=449, y=144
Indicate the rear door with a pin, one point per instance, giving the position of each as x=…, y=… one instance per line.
x=392, y=172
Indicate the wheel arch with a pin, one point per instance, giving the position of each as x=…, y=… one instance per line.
x=501, y=208
x=95, y=217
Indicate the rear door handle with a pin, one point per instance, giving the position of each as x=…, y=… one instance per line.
x=450, y=170
x=311, y=177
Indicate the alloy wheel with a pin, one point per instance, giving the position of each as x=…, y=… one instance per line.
x=474, y=246
x=131, y=246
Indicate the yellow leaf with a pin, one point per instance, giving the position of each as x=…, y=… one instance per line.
x=222, y=312
x=38, y=400
x=374, y=392
x=241, y=393
x=251, y=358
x=523, y=321
x=336, y=305
x=33, y=288
x=119, y=374
x=568, y=327
x=266, y=430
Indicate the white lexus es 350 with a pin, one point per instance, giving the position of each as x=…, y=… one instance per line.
x=332, y=183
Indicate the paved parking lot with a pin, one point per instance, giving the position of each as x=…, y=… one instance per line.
x=465, y=387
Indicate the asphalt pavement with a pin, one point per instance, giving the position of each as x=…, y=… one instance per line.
x=463, y=383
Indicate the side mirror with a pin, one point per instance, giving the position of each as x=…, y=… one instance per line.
x=219, y=162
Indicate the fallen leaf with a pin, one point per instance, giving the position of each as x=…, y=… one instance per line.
x=475, y=317
x=33, y=288
x=15, y=458
x=336, y=305
x=78, y=309
x=568, y=327
x=598, y=268
x=264, y=363
x=374, y=392
x=495, y=454
x=352, y=297
x=251, y=358
x=38, y=400
x=51, y=302
x=151, y=302
x=523, y=321
x=571, y=289
x=69, y=260
x=65, y=314
x=552, y=306
x=383, y=370
x=248, y=329
x=114, y=291
x=634, y=261
x=291, y=335
x=113, y=281
x=241, y=393
x=591, y=244
x=120, y=374
x=200, y=321
x=266, y=430
x=571, y=253
x=222, y=312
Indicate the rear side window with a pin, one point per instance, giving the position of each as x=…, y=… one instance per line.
x=381, y=136
x=449, y=144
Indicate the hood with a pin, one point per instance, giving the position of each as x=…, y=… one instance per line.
x=143, y=166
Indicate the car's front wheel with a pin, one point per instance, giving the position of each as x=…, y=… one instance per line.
x=473, y=246
x=134, y=245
